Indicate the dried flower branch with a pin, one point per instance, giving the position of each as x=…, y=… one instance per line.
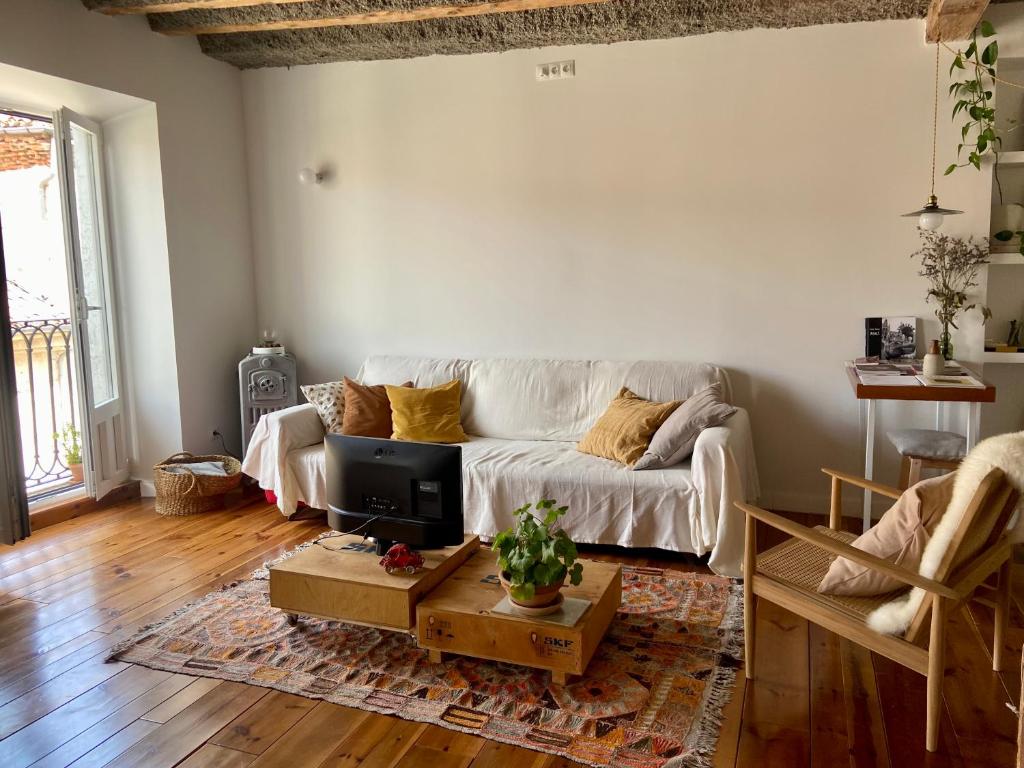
x=951, y=265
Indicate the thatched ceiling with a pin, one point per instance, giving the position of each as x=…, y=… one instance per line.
x=342, y=32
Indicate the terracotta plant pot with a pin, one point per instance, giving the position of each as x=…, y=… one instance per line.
x=542, y=596
x=77, y=473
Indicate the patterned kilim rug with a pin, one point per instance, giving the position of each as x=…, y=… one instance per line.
x=652, y=696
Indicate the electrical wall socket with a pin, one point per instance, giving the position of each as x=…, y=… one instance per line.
x=556, y=70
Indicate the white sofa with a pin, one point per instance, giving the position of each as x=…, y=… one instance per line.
x=525, y=418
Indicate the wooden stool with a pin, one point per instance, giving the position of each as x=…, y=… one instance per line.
x=926, y=449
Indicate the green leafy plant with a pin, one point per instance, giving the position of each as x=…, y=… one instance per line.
x=974, y=91
x=70, y=440
x=532, y=555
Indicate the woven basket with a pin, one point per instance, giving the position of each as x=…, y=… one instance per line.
x=189, y=494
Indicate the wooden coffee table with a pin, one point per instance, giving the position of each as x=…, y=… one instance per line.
x=342, y=580
x=458, y=617
x=448, y=605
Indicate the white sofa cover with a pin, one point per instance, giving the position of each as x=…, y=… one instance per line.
x=524, y=418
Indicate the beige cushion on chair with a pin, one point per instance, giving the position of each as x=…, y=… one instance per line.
x=900, y=537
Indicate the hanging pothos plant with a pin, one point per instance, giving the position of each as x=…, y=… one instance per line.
x=974, y=73
x=976, y=65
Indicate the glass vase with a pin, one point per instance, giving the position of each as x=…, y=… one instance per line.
x=946, y=343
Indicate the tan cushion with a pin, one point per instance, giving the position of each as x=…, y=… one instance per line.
x=624, y=430
x=329, y=400
x=674, y=440
x=899, y=537
x=427, y=415
x=367, y=410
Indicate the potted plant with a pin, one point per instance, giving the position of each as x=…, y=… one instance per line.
x=71, y=443
x=951, y=265
x=534, y=560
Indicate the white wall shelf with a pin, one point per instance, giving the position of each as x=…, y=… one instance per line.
x=1002, y=257
x=1013, y=358
x=1011, y=158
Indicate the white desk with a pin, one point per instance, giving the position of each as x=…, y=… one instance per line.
x=869, y=394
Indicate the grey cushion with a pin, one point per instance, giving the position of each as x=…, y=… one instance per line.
x=929, y=443
x=675, y=438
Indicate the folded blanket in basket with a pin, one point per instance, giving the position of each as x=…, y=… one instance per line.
x=215, y=468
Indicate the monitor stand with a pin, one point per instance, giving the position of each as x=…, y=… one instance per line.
x=381, y=546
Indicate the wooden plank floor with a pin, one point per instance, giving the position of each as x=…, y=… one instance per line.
x=73, y=590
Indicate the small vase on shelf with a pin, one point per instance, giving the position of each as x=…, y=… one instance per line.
x=934, y=362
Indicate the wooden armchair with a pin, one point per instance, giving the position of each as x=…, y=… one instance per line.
x=788, y=575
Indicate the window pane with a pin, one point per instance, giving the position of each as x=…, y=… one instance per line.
x=90, y=237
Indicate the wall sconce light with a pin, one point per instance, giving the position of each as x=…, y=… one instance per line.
x=309, y=176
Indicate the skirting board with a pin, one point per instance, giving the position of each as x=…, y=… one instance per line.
x=65, y=510
x=818, y=503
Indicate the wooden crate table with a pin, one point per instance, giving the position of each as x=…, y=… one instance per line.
x=457, y=617
x=342, y=580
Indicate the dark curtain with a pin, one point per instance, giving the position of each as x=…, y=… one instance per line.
x=14, y=524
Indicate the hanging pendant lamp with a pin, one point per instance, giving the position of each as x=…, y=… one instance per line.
x=930, y=217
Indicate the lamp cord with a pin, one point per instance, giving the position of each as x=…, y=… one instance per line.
x=935, y=116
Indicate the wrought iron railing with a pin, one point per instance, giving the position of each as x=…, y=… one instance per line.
x=45, y=370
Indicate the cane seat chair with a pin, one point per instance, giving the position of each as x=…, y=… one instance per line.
x=789, y=573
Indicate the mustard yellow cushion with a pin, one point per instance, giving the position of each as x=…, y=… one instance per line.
x=624, y=430
x=430, y=415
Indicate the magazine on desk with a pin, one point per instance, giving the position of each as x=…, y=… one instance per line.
x=873, y=366
x=888, y=381
x=964, y=381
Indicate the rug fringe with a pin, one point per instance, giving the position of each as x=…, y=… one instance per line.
x=720, y=688
x=732, y=623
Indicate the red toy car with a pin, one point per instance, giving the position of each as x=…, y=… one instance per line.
x=401, y=557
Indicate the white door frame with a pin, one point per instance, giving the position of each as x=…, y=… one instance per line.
x=103, y=434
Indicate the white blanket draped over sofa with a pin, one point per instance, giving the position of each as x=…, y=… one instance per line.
x=524, y=418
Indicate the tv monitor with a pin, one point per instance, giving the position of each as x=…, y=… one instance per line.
x=395, y=491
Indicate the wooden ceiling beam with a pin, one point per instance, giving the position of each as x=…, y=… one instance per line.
x=186, y=5
x=953, y=19
x=380, y=17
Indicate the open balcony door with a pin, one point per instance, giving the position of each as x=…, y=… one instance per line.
x=80, y=164
x=14, y=524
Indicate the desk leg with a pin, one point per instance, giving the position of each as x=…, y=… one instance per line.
x=973, y=423
x=938, y=417
x=869, y=458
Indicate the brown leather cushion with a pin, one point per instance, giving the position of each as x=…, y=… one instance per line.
x=367, y=410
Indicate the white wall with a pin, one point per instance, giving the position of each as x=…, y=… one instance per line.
x=733, y=198
x=139, y=235
x=205, y=199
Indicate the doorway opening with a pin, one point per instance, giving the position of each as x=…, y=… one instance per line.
x=39, y=300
